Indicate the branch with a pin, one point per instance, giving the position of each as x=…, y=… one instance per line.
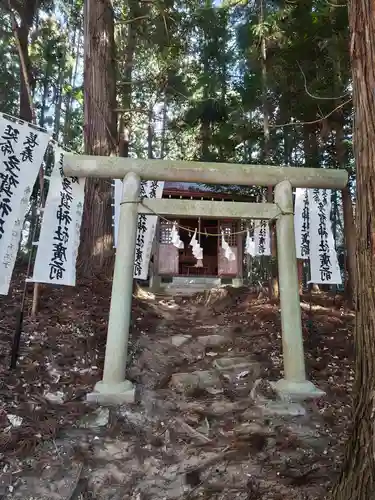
x=336, y=5
x=129, y=21
x=132, y=110
x=294, y=3
x=315, y=96
x=292, y=124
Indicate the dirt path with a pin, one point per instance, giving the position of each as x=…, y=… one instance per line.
x=205, y=424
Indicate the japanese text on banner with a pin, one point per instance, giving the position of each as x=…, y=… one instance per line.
x=22, y=149
x=60, y=232
x=146, y=227
x=302, y=223
x=262, y=241
x=324, y=265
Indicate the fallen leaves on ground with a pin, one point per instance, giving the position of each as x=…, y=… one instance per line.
x=220, y=433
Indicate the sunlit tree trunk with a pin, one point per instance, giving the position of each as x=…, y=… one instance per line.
x=205, y=138
x=357, y=481
x=27, y=12
x=76, y=43
x=150, y=133
x=129, y=33
x=163, y=139
x=100, y=131
x=58, y=102
x=46, y=88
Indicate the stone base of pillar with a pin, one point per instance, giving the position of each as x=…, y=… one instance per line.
x=297, y=391
x=112, y=394
x=237, y=282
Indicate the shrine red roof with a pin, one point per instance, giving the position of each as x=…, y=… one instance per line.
x=192, y=190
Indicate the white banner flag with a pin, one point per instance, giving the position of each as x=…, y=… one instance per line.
x=146, y=225
x=8, y=259
x=302, y=223
x=324, y=265
x=146, y=230
x=262, y=238
x=61, y=226
x=22, y=149
x=249, y=244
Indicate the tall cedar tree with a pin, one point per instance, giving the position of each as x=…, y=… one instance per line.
x=357, y=481
x=100, y=132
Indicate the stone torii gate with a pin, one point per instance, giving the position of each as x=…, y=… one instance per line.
x=114, y=388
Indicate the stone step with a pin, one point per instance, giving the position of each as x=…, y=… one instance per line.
x=196, y=280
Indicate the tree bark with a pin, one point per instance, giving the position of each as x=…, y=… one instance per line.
x=76, y=43
x=58, y=103
x=27, y=14
x=163, y=145
x=349, y=234
x=126, y=118
x=96, y=250
x=357, y=481
x=341, y=157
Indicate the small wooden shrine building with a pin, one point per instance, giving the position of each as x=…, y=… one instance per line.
x=170, y=262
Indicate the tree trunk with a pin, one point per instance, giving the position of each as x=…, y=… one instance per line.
x=273, y=285
x=76, y=42
x=163, y=144
x=206, y=125
x=150, y=134
x=311, y=152
x=357, y=481
x=349, y=234
x=126, y=117
x=27, y=16
x=349, y=227
x=96, y=250
x=27, y=12
x=46, y=88
x=341, y=157
x=58, y=103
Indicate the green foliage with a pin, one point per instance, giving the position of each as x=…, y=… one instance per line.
x=204, y=62
x=196, y=87
x=9, y=68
